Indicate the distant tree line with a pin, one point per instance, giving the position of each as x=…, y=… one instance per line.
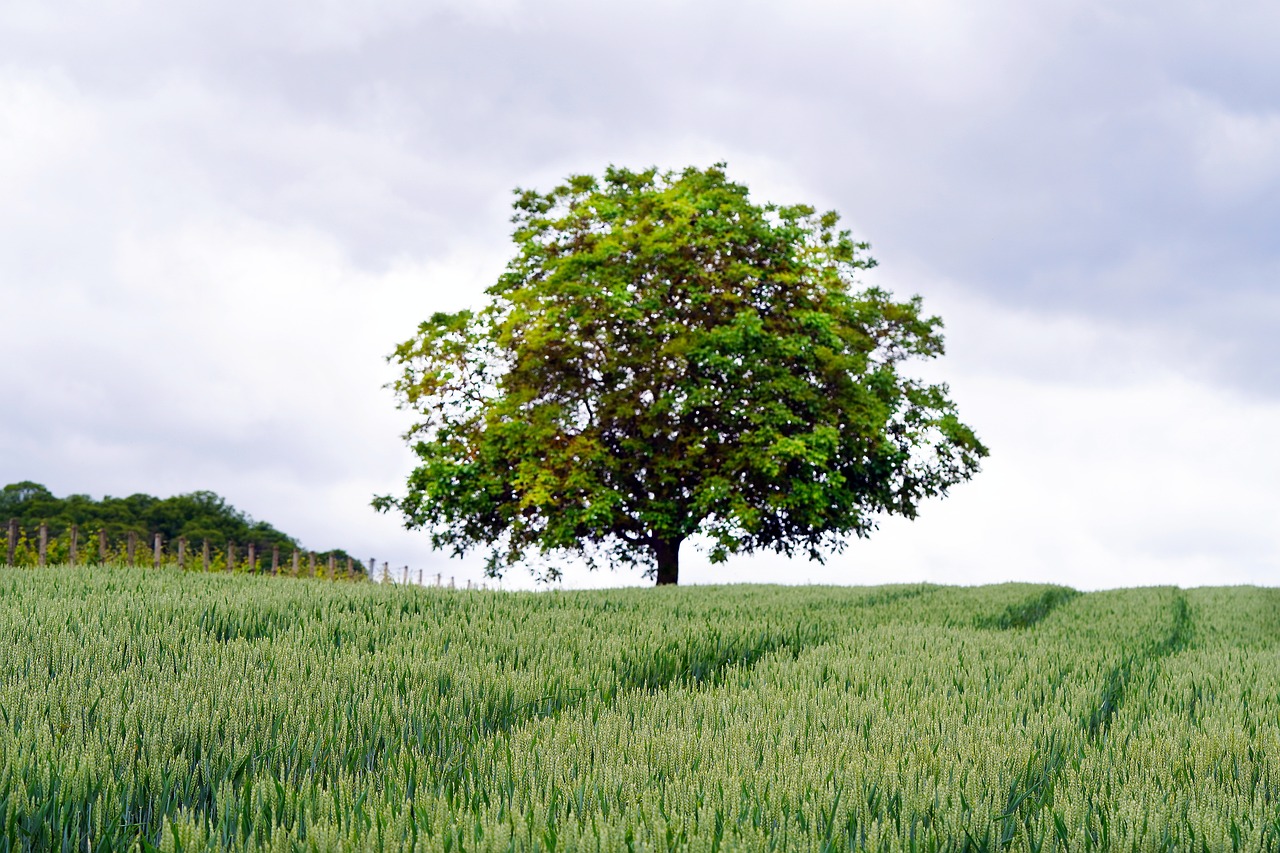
x=197, y=517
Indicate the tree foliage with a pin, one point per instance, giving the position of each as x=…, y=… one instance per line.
x=198, y=516
x=661, y=358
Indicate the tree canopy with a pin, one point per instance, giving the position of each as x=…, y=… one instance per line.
x=664, y=358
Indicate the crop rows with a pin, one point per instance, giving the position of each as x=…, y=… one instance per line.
x=191, y=711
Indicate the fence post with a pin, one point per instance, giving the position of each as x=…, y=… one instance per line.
x=156, y=551
x=44, y=541
x=102, y=545
x=332, y=564
x=132, y=545
x=13, y=540
x=373, y=567
x=386, y=572
x=451, y=582
x=295, y=562
x=231, y=556
x=275, y=559
x=419, y=577
x=182, y=552
x=75, y=542
x=205, y=553
x=253, y=559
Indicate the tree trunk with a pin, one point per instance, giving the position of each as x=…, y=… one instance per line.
x=666, y=553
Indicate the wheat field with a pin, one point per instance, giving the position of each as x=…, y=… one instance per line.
x=145, y=708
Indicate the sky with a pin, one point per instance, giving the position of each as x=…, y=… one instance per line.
x=219, y=218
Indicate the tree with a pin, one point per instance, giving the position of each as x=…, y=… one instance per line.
x=663, y=358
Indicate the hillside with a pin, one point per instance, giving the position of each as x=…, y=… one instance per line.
x=236, y=712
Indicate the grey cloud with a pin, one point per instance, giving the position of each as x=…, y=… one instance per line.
x=1067, y=149
x=169, y=161
x=1036, y=157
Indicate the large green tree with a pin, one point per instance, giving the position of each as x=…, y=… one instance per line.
x=663, y=358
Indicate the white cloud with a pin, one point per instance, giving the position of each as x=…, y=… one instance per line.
x=1142, y=478
x=1239, y=152
x=42, y=124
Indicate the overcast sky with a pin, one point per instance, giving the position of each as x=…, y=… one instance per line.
x=216, y=219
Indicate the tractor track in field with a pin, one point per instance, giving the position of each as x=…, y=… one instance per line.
x=710, y=670
x=1179, y=636
x=652, y=674
x=1029, y=793
x=649, y=675
x=1025, y=614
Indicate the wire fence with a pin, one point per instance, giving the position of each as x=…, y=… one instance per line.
x=38, y=547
